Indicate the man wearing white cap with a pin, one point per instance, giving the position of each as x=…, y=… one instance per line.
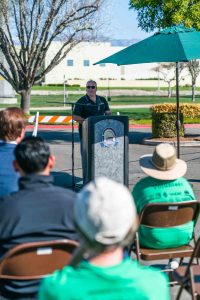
x=165, y=183
x=106, y=218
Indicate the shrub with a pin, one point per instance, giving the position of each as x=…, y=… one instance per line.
x=61, y=84
x=164, y=125
x=54, y=84
x=164, y=118
x=190, y=110
x=187, y=109
x=74, y=85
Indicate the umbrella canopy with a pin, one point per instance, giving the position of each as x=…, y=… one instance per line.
x=173, y=44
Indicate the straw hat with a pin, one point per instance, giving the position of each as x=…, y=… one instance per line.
x=163, y=164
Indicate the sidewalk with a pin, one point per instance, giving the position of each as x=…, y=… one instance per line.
x=117, y=92
x=111, y=106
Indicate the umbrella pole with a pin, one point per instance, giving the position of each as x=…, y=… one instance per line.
x=178, y=123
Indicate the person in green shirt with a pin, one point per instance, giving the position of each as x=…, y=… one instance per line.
x=165, y=183
x=100, y=269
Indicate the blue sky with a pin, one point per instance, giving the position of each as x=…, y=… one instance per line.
x=123, y=22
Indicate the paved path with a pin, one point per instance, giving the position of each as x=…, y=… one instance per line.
x=69, y=107
x=117, y=92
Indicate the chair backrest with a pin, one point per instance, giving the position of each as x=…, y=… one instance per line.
x=35, y=260
x=169, y=214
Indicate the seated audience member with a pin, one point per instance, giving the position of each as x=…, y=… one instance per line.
x=38, y=211
x=12, y=129
x=165, y=183
x=106, y=217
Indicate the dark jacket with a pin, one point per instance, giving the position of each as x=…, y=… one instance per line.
x=38, y=211
x=85, y=108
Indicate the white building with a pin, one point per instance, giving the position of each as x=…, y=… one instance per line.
x=78, y=65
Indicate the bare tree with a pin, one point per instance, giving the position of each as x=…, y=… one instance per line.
x=193, y=67
x=168, y=72
x=28, y=28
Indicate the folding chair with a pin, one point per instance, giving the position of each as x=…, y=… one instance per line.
x=36, y=260
x=189, y=276
x=165, y=215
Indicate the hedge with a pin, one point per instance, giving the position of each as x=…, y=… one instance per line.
x=164, y=125
x=164, y=118
x=187, y=109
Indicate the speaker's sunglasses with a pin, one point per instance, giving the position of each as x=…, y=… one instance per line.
x=91, y=87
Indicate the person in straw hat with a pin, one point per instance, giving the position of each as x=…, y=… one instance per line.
x=106, y=218
x=165, y=183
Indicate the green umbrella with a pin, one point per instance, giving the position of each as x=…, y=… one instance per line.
x=174, y=44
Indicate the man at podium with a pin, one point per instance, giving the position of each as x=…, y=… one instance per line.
x=90, y=105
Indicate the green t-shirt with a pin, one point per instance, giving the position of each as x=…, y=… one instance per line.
x=124, y=281
x=149, y=190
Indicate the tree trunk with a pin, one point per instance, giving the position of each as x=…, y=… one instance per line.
x=193, y=93
x=169, y=90
x=25, y=100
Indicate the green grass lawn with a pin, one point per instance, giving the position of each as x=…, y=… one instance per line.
x=136, y=115
x=57, y=100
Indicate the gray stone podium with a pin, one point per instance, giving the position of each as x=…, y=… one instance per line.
x=105, y=148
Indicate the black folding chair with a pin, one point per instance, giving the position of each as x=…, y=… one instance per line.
x=189, y=276
x=164, y=215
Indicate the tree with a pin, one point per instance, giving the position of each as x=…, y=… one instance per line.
x=168, y=72
x=158, y=14
x=193, y=67
x=27, y=30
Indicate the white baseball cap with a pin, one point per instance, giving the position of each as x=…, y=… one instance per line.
x=105, y=211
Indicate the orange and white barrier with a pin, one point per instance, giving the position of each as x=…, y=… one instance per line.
x=47, y=119
x=50, y=119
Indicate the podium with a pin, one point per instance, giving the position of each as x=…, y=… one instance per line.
x=105, y=148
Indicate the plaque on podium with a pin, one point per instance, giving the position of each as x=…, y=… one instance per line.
x=105, y=148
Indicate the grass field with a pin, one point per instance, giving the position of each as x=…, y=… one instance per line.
x=57, y=100
x=136, y=115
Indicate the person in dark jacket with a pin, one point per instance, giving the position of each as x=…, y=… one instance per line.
x=90, y=105
x=38, y=211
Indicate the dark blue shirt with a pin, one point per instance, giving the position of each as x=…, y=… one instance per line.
x=8, y=176
x=85, y=108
